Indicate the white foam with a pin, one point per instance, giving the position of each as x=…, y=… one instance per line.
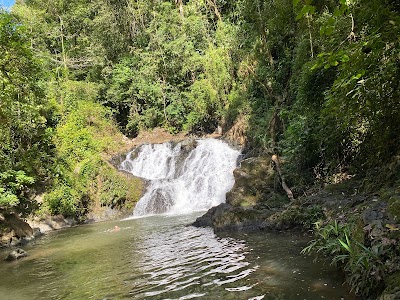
x=182, y=181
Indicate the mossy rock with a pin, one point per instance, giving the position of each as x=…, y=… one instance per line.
x=225, y=217
x=255, y=182
x=296, y=216
x=13, y=228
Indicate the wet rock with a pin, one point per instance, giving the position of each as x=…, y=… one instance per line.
x=51, y=223
x=225, y=217
x=118, y=159
x=14, y=241
x=252, y=200
x=188, y=144
x=208, y=218
x=16, y=254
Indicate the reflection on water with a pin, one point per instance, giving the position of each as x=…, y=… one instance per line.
x=163, y=258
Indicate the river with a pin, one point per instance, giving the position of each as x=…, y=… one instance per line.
x=163, y=257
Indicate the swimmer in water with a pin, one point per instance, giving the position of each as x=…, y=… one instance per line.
x=116, y=228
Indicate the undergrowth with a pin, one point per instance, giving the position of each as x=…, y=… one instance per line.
x=367, y=258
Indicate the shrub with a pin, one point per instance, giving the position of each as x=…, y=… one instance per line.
x=62, y=200
x=366, y=265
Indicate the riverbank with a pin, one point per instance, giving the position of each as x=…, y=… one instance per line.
x=356, y=227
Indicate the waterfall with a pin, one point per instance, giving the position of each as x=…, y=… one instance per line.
x=183, y=177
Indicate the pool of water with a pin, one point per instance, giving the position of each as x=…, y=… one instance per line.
x=162, y=257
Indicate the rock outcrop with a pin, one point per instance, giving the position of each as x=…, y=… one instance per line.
x=13, y=230
x=255, y=183
x=49, y=223
x=16, y=254
x=225, y=217
x=251, y=202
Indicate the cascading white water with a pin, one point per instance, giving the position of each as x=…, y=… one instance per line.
x=182, y=180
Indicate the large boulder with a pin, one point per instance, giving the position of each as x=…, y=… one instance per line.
x=256, y=183
x=226, y=217
x=49, y=223
x=252, y=200
x=13, y=230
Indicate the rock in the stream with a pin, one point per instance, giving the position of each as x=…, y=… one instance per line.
x=250, y=202
x=208, y=218
x=16, y=254
x=42, y=225
x=225, y=217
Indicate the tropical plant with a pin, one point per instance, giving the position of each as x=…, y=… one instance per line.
x=364, y=265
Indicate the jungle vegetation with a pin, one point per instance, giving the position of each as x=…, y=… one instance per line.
x=316, y=82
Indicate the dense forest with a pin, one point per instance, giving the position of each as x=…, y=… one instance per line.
x=313, y=82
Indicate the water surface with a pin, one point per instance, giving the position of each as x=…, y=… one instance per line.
x=161, y=257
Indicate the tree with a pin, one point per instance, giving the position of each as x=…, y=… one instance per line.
x=26, y=148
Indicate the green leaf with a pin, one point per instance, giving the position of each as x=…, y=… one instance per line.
x=344, y=245
x=337, y=12
x=305, y=10
x=345, y=58
x=330, y=30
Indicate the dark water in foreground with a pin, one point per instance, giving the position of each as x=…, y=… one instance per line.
x=163, y=258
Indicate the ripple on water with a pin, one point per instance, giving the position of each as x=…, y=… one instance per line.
x=162, y=258
x=186, y=258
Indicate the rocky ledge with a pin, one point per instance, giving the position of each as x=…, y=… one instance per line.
x=226, y=217
x=14, y=231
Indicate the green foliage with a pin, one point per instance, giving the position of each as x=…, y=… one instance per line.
x=318, y=79
x=26, y=147
x=82, y=177
x=117, y=190
x=366, y=265
x=13, y=188
x=340, y=117
x=62, y=200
